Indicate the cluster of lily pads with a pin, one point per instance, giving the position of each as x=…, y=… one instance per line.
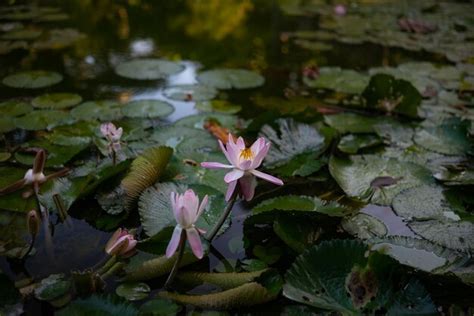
x=397, y=140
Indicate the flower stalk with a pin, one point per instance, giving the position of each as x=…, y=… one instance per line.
x=174, y=270
x=212, y=234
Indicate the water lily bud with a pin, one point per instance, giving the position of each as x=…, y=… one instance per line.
x=121, y=244
x=33, y=222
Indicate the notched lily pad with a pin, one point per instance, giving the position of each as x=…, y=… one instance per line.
x=226, y=78
x=133, y=291
x=147, y=69
x=42, y=119
x=56, y=100
x=147, y=109
x=104, y=110
x=191, y=92
x=33, y=79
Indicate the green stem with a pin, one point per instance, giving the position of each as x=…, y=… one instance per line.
x=107, y=262
x=210, y=236
x=33, y=239
x=114, y=269
x=174, y=270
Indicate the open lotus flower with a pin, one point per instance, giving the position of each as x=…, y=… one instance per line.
x=186, y=210
x=122, y=243
x=244, y=162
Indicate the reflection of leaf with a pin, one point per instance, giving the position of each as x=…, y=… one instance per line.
x=293, y=139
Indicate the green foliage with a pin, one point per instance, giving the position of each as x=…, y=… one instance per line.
x=32, y=79
x=230, y=78
x=147, y=69
x=96, y=305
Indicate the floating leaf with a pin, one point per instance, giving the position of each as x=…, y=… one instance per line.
x=22, y=34
x=230, y=78
x=7, y=124
x=133, y=291
x=99, y=305
x=335, y=78
x=364, y=226
x=104, y=110
x=147, y=109
x=246, y=295
x=14, y=201
x=198, y=121
x=388, y=94
x=351, y=143
x=221, y=106
x=292, y=140
x=296, y=232
x=58, y=39
x=302, y=165
x=14, y=108
x=56, y=100
x=357, y=175
x=301, y=203
x=54, y=289
x=351, y=123
x=453, y=235
x=454, y=176
x=42, y=119
x=32, y=79
x=413, y=300
x=190, y=92
x=160, y=307
x=145, y=170
x=147, y=69
x=223, y=280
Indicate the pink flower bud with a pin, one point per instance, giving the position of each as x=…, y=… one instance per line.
x=33, y=222
x=121, y=244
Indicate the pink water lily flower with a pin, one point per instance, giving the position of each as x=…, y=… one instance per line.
x=112, y=134
x=186, y=210
x=122, y=243
x=244, y=162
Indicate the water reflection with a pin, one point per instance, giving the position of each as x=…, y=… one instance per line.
x=395, y=224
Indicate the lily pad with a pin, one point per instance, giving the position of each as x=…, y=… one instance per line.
x=147, y=69
x=160, y=307
x=455, y=176
x=226, y=78
x=147, y=109
x=190, y=92
x=56, y=100
x=14, y=108
x=133, y=291
x=54, y=289
x=453, y=235
x=352, y=143
x=364, y=226
x=99, y=305
x=33, y=79
x=7, y=124
x=358, y=176
x=292, y=140
x=22, y=34
x=221, y=106
x=388, y=94
x=335, y=78
x=42, y=119
x=351, y=123
x=104, y=110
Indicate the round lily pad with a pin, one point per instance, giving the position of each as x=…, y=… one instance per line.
x=53, y=17
x=147, y=69
x=221, y=106
x=14, y=108
x=56, y=100
x=335, y=78
x=104, y=110
x=147, y=109
x=6, y=124
x=4, y=156
x=190, y=93
x=133, y=291
x=231, y=78
x=41, y=119
x=32, y=79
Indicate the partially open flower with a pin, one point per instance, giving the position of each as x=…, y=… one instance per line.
x=122, y=243
x=33, y=222
x=244, y=162
x=111, y=132
x=186, y=210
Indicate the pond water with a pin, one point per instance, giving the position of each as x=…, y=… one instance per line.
x=368, y=106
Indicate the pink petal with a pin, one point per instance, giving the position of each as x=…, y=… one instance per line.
x=257, y=161
x=191, y=205
x=240, y=143
x=233, y=153
x=258, y=145
x=215, y=165
x=195, y=242
x=174, y=242
x=247, y=186
x=267, y=177
x=233, y=175
x=245, y=165
x=203, y=205
x=230, y=190
x=226, y=153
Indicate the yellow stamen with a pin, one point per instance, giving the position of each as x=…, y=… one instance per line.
x=246, y=154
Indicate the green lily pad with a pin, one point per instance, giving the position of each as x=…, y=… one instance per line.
x=33, y=79
x=53, y=17
x=352, y=143
x=14, y=108
x=301, y=203
x=296, y=232
x=388, y=94
x=99, y=305
x=133, y=291
x=147, y=109
x=172, y=135
x=104, y=110
x=6, y=124
x=302, y=165
x=8, y=46
x=14, y=201
x=226, y=78
x=198, y=121
x=337, y=275
x=56, y=100
x=147, y=69
x=42, y=119
x=160, y=307
x=292, y=140
x=190, y=92
x=58, y=39
x=4, y=156
x=53, y=287
x=156, y=213
x=22, y=34
x=359, y=176
x=364, y=226
x=342, y=80
x=449, y=138
x=221, y=106
x=455, y=176
x=351, y=123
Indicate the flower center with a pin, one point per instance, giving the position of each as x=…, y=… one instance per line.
x=246, y=154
